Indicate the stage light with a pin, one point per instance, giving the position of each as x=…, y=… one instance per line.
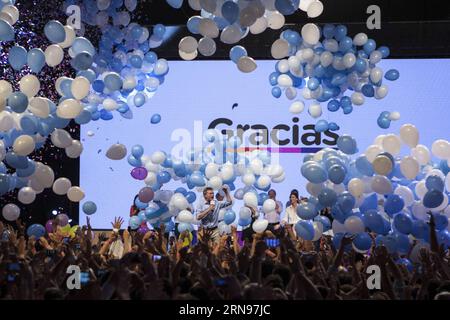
x=54, y=212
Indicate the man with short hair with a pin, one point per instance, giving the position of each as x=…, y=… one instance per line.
x=208, y=211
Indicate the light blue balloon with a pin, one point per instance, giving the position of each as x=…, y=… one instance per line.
x=54, y=31
x=134, y=222
x=230, y=11
x=36, y=60
x=433, y=198
x=307, y=211
x=313, y=172
x=327, y=197
x=175, y=3
x=392, y=75
x=137, y=151
x=337, y=173
x=237, y=52
x=141, y=205
x=321, y=126
x=159, y=30
x=347, y=144
x=36, y=230
x=6, y=31
x=28, y=171
x=29, y=124
x=82, y=61
x=18, y=101
x=156, y=118
x=305, y=229
x=81, y=44
x=89, y=207
x=134, y=162
x=17, y=57
x=229, y=217
x=362, y=241
x=139, y=99
x=113, y=81
x=193, y=24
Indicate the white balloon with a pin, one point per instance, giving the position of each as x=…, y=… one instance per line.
x=75, y=194
x=11, y=212
x=409, y=135
x=357, y=98
x=441, y=149
x=12, y=11
x=26, y=195
x=275, y=20
x=304, y=4
x=281, y=178
x=406, y=194
x=188, y=44
x=259, y=26
x=80, y=88
x=260, y=226
x=39, y=107
x=354, y=224
x=116, y=152
x=70, y=37
x=269, y=205
x=284, y=80
x=246, y=64
x=419, y=211
x=29, y=85
x=208, y=28
x=280, y=49
x=356, y=187
x=185, y=216
x=381, y=185
x=315, y=110
x=263, y=181
x=74, y=150
x=297, y=107
x=338, y=227
x=314, y=188
x=315, y=9
x=44, y=175
x=250, y=199
x=392, y=144
x=54, y=55
x=69, y=109
x=421, y=189
x=381, y=91
x=215, y=183
x=318, y=230
x=158, y=157
x=24, y=145
x=409, y=167
x=248, y=179
x=421, y=153
x=394, y=116
x=360, y=39
x=211, y=170
x=61, y=138
x=372, y=151
x=311, y=33
x=61, y=186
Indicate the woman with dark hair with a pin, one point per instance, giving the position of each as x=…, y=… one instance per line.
x=291, y=217
x=134, y=210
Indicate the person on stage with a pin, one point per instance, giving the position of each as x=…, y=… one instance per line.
x=291, y=218
x=208, y=210
x=274, y=216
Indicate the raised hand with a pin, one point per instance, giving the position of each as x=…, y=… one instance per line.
x=117, y=224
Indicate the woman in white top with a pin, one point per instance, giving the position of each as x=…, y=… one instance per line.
x=291, y=217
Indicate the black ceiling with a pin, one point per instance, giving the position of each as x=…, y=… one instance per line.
x=412, y=29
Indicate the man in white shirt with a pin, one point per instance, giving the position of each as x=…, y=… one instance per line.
x=274, y=217
x=208, y=211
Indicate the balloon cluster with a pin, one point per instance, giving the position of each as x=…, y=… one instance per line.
x=379, y=191
x=233, y=20
x=113, y=77
x=122, y=73
x=9, y=15
x=326, y=64
x=217, y=165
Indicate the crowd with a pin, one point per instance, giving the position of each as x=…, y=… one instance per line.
x=273, y=265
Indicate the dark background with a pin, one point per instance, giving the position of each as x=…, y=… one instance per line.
x=411, y=29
